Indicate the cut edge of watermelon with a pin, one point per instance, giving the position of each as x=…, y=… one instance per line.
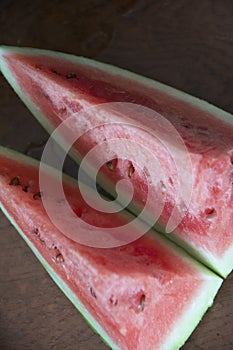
x=64, y=287
x=222, y=265
x=184, y=328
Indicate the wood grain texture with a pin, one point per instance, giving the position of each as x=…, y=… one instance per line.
x=187, y=44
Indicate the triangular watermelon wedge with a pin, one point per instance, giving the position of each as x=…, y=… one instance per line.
x=145, y=295
x=55, y=86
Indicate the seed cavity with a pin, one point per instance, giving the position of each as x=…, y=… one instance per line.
x=93, y=292
x=231, y=158
x=38, y=66
x=113, y=300
x=110, y=165
x=36, y=230
x=63, y=110
x=171, y=181
x=37, y=195
x=15, y=181
x=55, y=71
x=59, y=258
x=210, y=214
x=163, y=187
x=71, y=76
x=131, y=171
x=141, y=305
x=186, y=125
x=37, y=233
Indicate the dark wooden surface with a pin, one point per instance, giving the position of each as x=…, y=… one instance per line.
x=187, y=44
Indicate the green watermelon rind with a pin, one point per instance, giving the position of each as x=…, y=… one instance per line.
x=187, y=322
x=183, y=96
x=222, y=265
x=183, y=328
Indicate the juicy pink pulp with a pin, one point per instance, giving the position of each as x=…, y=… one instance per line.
x=136, y=292
x=61, y=88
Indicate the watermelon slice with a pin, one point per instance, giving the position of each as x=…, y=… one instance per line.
x=152, y=298
x=55, y=86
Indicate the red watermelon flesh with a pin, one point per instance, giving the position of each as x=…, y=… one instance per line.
x=54, y=86
x=145, y=295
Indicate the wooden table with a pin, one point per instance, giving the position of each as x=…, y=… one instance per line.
x=186, y=44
